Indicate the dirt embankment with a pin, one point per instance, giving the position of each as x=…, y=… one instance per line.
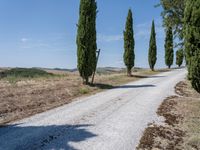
x=181, y=130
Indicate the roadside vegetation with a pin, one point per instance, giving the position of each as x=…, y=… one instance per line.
x=16, y=74
x=192, y=40
x=184, y=22
x=180, y=130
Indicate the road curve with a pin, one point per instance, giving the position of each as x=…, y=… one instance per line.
x=110, y=120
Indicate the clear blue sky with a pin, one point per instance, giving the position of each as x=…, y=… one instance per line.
x=42, y=33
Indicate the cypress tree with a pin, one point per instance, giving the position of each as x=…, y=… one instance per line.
x=152, y=57
x=169, y=52
x=86, y=39
x=129, y=44
x=192, y=41
x=195, y=72
x=179, y=57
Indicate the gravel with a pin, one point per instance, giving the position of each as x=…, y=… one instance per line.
x=110, y=120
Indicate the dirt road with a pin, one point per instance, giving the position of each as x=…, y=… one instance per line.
x=110, y=120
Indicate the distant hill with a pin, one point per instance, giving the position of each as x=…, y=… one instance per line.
x=100, y=70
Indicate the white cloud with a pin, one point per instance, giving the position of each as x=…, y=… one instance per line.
x=24, y=40
x=109, y=38
x=143, y=30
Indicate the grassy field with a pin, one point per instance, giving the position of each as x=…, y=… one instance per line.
x=25, y=92
x=181, y=130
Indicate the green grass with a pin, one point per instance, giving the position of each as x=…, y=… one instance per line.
x=24, y=73
x=84, y=90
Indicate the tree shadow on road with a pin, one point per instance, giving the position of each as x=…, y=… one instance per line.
x=108, y=86
x=142, y=76
x=39, y=137
x=135, y=86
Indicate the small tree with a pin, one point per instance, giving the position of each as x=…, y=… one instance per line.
x=129, y=43
x=179, y=57
x=86, y=39
x=152, y=57
x=169, y=52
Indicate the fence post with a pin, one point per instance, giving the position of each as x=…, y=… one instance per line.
x=98, y=53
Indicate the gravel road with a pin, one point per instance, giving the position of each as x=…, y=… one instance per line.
x=110, y=120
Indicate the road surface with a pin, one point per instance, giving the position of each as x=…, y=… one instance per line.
x=110, y=120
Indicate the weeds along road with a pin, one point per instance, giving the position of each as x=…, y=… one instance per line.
x=110, y=120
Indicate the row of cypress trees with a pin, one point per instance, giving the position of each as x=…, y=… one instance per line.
x=87, y=46
x=129, y=56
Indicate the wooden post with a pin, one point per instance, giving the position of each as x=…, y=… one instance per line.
x=98, y=53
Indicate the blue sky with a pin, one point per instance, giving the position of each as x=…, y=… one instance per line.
x=42, y=33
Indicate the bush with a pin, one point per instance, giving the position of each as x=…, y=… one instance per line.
x=24, y=73
x=195, y=72
x=84, y=90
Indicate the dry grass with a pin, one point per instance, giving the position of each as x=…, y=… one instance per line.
x=190, y=110
x=20, y=98
x=182, y=118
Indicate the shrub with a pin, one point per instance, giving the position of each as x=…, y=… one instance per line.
x=195, y=72
x=25, y=73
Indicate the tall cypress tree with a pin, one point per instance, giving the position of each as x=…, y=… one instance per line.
x=129, y=44
x=192, y=41
x=152, y=48
x=179, y=57
x=86, y=39
x=169, y=51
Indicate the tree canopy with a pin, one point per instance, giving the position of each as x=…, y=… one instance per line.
x=173, y=16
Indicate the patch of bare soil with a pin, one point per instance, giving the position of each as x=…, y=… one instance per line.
x=184, y=89
x=168, y=111
x=182, y=123
x=160, y=137
x=28, y=97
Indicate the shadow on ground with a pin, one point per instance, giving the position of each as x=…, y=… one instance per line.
x=108, y=86
x=141, y=76
x=39, y=137
x=135, y=86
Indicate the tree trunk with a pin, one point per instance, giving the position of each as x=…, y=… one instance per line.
x=86, y=81
x=129, y=73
